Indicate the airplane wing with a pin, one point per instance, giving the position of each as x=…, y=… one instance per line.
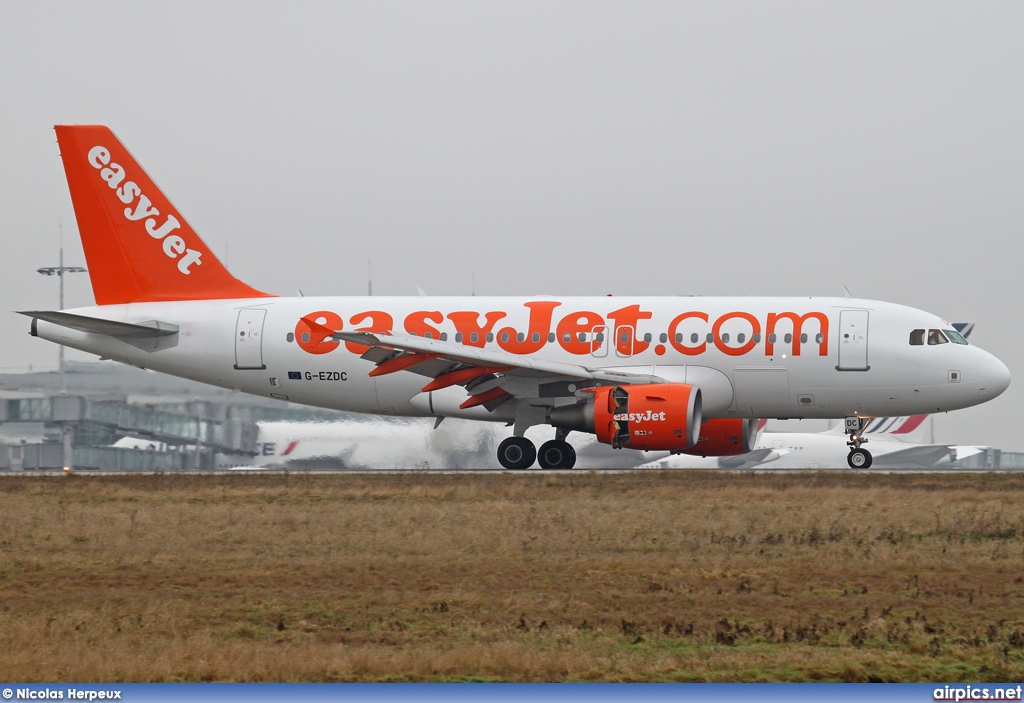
x=751, y=459
x=491, y=376
x=917, y=455
x=962, y=451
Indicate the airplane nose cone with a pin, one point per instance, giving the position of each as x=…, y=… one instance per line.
x=993, y=377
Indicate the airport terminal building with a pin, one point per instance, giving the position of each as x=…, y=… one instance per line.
x=50, y=420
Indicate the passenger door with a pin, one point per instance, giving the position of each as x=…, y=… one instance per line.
x=249, y=339
x=853, y=340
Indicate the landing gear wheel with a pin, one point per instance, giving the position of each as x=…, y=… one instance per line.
x=859, y=459
x=556, y=454
x=516, y=453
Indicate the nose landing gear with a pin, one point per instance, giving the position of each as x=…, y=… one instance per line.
x=857, y=458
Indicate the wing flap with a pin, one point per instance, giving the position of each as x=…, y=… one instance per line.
x=490, y=358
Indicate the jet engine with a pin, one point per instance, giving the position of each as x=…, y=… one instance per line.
x=662, y=416
x=729, y=436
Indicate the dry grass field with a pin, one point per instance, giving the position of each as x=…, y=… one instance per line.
x=682, y=576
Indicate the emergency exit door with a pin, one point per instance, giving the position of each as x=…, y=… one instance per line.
x=853, y=340
x=249, y=339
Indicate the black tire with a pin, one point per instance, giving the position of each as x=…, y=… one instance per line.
x=859, y=459
x=570, y=457
x=516, y=453
x=556, y=454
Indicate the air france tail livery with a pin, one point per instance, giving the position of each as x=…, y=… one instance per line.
x=679, y=374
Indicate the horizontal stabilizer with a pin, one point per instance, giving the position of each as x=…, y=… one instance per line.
x=149, y=336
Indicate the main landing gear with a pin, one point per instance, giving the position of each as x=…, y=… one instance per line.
x=556, y=454
x=857, y=458
x=518, y=453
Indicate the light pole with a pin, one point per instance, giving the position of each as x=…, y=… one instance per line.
x=66, y=430
x=60, y=272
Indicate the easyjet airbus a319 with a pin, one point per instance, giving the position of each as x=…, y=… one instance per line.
x=683, y=374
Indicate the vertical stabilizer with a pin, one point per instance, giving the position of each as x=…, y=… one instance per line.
x=138, y=246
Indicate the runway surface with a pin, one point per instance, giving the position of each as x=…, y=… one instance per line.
x=527, y=472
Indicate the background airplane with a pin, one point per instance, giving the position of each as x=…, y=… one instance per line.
x=894, y=442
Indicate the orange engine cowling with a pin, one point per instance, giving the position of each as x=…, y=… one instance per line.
x=657, y=416
x=727, y=436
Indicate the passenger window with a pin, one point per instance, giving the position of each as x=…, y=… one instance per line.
x=917, y=338
x=535, y=337
x=647, y=337
x=788, y=338
x=741, y=338
x=819, y=338
x=757, y=338
x=711, y=338
x=936, y=337
x=772, y=337
x=551, y=336
x=458, y=336
x=490, y=337
x=663, y=338
x=504, y=336
x=803, y=339
x=474, y=337
x=694, y=337
x=600, y=337
x=955, y=337
x=725, y=338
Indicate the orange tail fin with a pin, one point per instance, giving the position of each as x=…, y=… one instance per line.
x=137, y=246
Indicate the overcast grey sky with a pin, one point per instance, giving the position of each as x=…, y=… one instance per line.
x=571, y=148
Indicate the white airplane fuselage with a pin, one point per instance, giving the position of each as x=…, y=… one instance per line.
x=751, y=357
x=636, y=372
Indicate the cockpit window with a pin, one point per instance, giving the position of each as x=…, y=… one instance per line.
x=917, y=338
x=955, y=337
x=936, y=337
